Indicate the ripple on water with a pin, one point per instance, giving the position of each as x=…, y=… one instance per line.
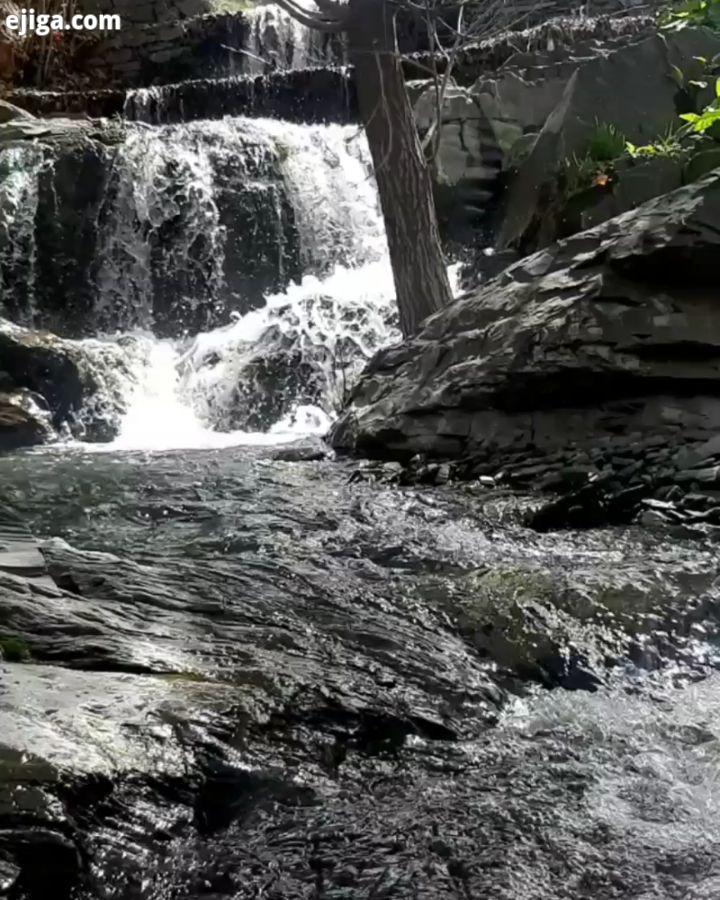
x=256, y=675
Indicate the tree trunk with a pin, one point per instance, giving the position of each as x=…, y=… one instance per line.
x=404, y=183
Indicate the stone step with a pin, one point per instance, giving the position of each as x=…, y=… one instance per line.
x=19, y=551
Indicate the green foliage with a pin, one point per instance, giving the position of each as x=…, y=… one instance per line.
x=702, y=122
x=594, y=168
x=667, y=146
x=606, y=143
x=581, y=172
x=14, y=649
x=692, y=13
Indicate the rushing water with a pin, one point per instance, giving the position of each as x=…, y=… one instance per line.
x=271, y=225
x=263, y=677
x=196, y=221
x=260, y=669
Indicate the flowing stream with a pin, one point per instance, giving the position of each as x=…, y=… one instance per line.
x=261, y=673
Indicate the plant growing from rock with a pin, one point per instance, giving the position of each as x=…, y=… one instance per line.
x=692, y=13
x=595, y=167
x=14, y=650
x=668, y=146
x=701, y=123
x=43, y=60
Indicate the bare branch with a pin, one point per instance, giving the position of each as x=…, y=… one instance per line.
x=332, y=9
x=311, y=20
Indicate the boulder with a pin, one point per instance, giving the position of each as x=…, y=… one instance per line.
x=10, y=112
x=23, y=420
x=599, y=355
x=52, y=385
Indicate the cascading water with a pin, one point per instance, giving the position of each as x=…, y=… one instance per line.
x=20, y=170
x=272, y=227
x=278, y=41
x=190, y=222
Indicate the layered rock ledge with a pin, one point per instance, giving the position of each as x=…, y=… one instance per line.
x=592, y=367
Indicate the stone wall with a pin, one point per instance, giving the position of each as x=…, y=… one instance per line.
x=164, y=41
x=149, y=12
x=172, y=50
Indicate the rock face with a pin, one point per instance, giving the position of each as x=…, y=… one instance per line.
x=8, y=113
x=54, y=175
x=565, y=100
x=469, y=159
x=596, y=356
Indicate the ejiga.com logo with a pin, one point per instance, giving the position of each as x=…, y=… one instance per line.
x=27, y=21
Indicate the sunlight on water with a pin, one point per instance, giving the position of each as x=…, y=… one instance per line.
x=159, y=417
x=187, y=394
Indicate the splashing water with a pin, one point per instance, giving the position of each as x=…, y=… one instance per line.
x=280, y=370
x=216, y=391
x=272, y=225
x=159, y=417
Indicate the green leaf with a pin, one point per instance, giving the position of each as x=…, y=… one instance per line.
x=677, y=75
x=717, y=88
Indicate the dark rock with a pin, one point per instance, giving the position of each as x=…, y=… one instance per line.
x=603, y=340
x=8, y=112
x=702, y=163
x=302, y=451
x=23, y=422
x=61, y=384
x=650, y=107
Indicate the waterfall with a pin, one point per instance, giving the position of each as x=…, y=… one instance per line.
x=276, y=225
x=273, y=374
x=186, y=224
x=207, y=218
x=277, y=41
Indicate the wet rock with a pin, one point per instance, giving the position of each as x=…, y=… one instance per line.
x=59, y=384
x=310, y=450
x=9, y=112
x=566, y=628
x=9, y=873
x=307, y=356
x=599, y=353
x=245, y=683
x=23, y=421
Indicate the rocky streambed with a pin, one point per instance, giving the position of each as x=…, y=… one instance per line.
x=257, y=677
